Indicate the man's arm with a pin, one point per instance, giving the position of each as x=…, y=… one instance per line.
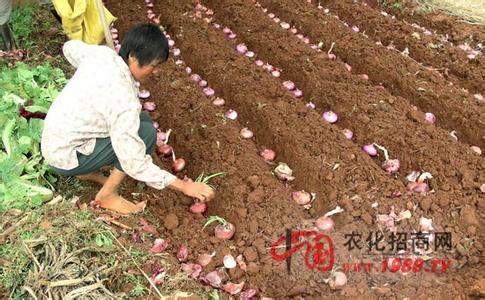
x=131, y=150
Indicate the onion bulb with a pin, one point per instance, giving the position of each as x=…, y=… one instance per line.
x=301, y=197
x=268, y=154
x=182, y=253
x=276, y=73
x=195, y=77
x=429, y=118
x=163, y=149
x=284, y=172
x=246, y=133
x=338, y=281
x=418, y=187
x=348, y=133
x=231, y=114
x=324, y=223
x=178, y=165
x=205, y=259
x=198, y=208
x=224, y=231
x=209, y=92
x=297, y=93
x=149, y=106
x=219, y=101
x=229, y=261
x=310, y=105
x=348, y=67
x=370, y=149
x=241, y=48
x=476, y=149
x=202, y=83
x=330, y=117
x=143, y=94
x=176, y=51
x=250, y=54
x=161, y=136
x=391, y=165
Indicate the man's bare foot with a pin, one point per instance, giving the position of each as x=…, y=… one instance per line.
x=96, y=177
x=116, y=203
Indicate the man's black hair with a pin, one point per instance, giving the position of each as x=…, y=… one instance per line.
x=146, y=42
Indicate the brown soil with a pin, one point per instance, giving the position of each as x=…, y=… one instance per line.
x=458, y=30
x=323, y=161
x=429, y=50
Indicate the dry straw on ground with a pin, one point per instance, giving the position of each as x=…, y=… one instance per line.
x=471, y=11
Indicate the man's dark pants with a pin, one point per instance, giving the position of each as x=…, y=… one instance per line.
x=104, y=155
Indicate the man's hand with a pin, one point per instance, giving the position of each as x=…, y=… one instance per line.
x=192, y=189
x=198, y=190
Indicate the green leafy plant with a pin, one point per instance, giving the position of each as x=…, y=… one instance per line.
x=24, y=178
x=138, y=290
x=27, y=21
x=213, y=219
x=205, y=178
x=103, y=240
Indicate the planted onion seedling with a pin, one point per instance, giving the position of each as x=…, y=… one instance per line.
x=417, y=182
x=205, y=178
x=163, y=148
x=233, y=288
x=218, y=101
x=370, y=149
x=144, y=94
x=330, y=117
x=182, y=253
x=268, y=154
x=246, y=133
x=389, y=165
x=199, y=207
x=284, y=172
x=224, y=230
x=178, y=164
x=303, y=198
x=205, y=259
x=429, y=118
x=149, y=106
x=338, y=280
x=229, y=261
x=325, y=223
x=348, y=134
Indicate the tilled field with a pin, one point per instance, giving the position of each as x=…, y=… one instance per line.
x=377, y=92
